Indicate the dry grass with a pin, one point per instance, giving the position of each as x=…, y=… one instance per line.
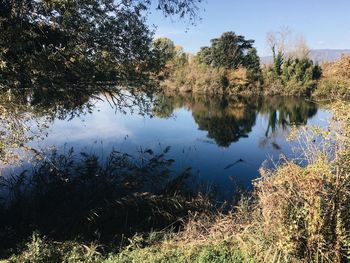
x=335, y=82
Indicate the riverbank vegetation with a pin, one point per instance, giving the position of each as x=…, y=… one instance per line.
x=231, y=66
x=335, y=82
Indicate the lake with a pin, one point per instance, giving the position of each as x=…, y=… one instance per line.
x=224, y=141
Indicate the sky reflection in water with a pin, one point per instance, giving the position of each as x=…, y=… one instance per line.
x=218, y=138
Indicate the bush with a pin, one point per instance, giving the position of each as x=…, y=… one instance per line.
x=335, y=82
x=200, y=78
x=291, y=76
x=301, y=212
x=220, y=253
x=40, y=250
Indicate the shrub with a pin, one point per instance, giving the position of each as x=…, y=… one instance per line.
x=41, y=250
x=335, y=82
x=197, y=78
x=200, y=78
x=220, y=253
x=291, y=76
x=301, y=212
x=37, y=251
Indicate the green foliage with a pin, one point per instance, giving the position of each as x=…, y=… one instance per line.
x=291, y=76
x=204, y=55
x=73, y=41
x=36, y=251
x=229, y=65
x=252, y=63
x=57, y=44
x=164, y=50
x=210, y=253
x=168, y=57
x=278, y=63
x=180, y=8
x=229, y=51
x=41, y=250
x=222, y=253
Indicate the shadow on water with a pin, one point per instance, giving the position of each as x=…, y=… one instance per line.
x=80, y=197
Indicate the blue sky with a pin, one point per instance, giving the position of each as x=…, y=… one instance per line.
x=323, y=23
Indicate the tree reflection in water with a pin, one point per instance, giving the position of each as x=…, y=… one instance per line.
x=228, y=119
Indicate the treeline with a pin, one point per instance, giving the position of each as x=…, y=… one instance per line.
x=231, y=65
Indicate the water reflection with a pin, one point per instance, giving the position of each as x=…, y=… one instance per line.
x=208, y=134
x=228, y=119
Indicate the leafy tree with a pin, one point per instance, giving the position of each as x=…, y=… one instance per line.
x=181, y=57
x=164, y=50
x=67, y=41
x=204, y=55
x=252, y=63
x=229, y=50
x=277, y=63
x=180, y=8
x=167, y=57
x=232, y=51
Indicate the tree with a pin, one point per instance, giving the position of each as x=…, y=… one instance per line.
x=252, y=63
x=181, y=8
x=204, y=55
x=278, y=63
x=164, y=50
x=300, y=48
x=292, y=69
x=181, y=57
x=67, y=41
x=228, y=51
x=278, y=41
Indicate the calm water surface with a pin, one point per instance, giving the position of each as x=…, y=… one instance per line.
x=220, y=139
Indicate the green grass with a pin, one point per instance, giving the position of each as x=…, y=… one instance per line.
x=224, y=252
x=40, y=250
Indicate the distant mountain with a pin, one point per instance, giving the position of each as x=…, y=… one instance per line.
x=317, y=55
